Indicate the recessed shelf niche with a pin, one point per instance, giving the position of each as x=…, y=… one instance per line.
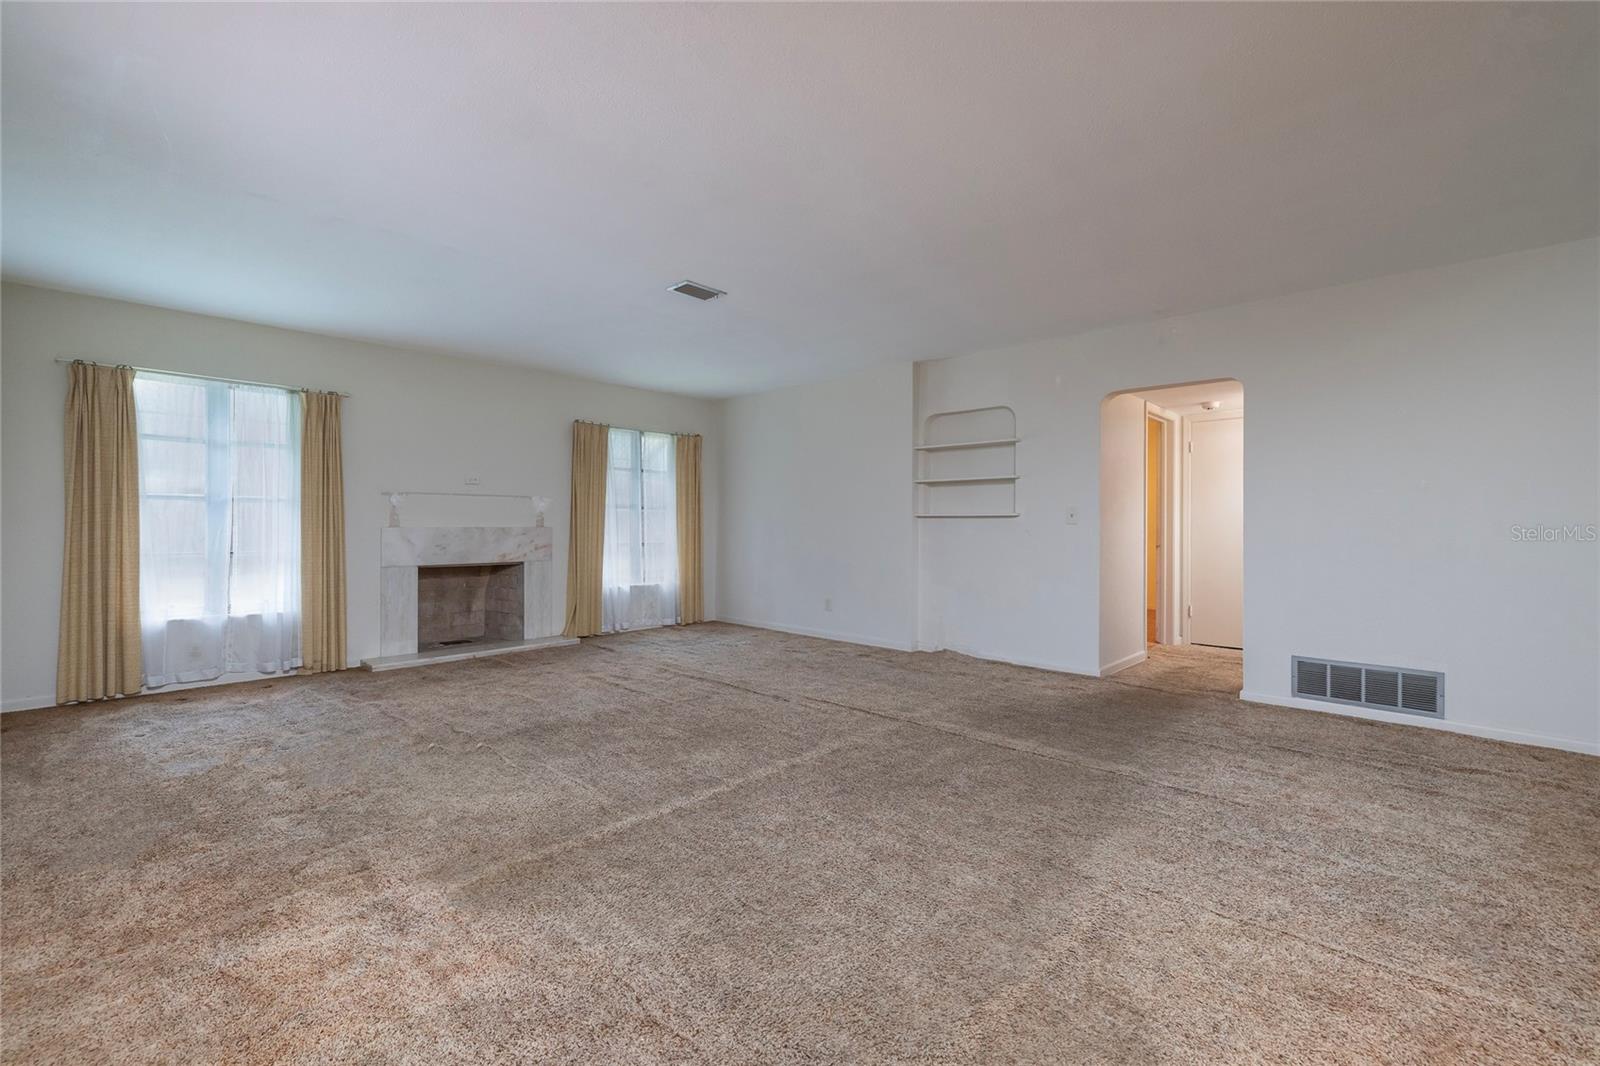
x=966, y=464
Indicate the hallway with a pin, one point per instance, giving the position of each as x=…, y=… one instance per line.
x=1188, y=668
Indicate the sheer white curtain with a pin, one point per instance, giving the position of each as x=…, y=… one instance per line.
x=219, y=528
x=640, y=570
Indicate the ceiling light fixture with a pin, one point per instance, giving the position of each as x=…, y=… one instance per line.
x=697, y=290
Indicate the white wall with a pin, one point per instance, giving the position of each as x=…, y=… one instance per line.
x=1398, y=429
x=817, y=484
x=414, y=421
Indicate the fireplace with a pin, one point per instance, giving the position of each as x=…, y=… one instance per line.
x=461, y=592
x=459, y=605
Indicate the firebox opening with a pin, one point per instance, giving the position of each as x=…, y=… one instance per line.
x=459, y=605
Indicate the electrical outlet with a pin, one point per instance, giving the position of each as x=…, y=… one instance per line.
x=827, y=603
x=1072, y=516
x=473, y=480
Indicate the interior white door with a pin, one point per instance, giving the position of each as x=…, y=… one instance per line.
x=1216, y=532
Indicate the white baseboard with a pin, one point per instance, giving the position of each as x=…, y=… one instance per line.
x=1123, y=663
x=1540, y=740
x=801, y=631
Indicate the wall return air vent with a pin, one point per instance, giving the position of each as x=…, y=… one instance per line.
x=1382, y=688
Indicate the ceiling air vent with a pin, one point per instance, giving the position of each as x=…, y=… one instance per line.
x=697, y=290
x=1384, y=688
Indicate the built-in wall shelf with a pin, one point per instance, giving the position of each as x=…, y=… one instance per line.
x=967, y=443
x=966, y=465
x=964, y=480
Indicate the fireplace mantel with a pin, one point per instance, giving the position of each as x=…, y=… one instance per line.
x=404, y=548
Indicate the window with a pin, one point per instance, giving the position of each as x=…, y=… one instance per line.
x=640, y=571
x=219, y=527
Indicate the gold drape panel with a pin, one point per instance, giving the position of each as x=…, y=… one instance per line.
x=322, y=577
x=99, y=651
x=586, y=545
x=691, y=595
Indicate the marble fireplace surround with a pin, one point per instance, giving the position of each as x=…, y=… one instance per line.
x=405, y=548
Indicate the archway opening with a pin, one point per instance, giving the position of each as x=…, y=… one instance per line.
x=1172, y=533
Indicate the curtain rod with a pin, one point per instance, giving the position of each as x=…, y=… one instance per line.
x=638, y=429
x=64, y=361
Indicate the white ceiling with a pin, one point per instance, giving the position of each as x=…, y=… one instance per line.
x=869, y=183
x=1191, y=399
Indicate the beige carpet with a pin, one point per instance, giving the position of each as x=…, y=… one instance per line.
x=1189, y=669
x=722, y=845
